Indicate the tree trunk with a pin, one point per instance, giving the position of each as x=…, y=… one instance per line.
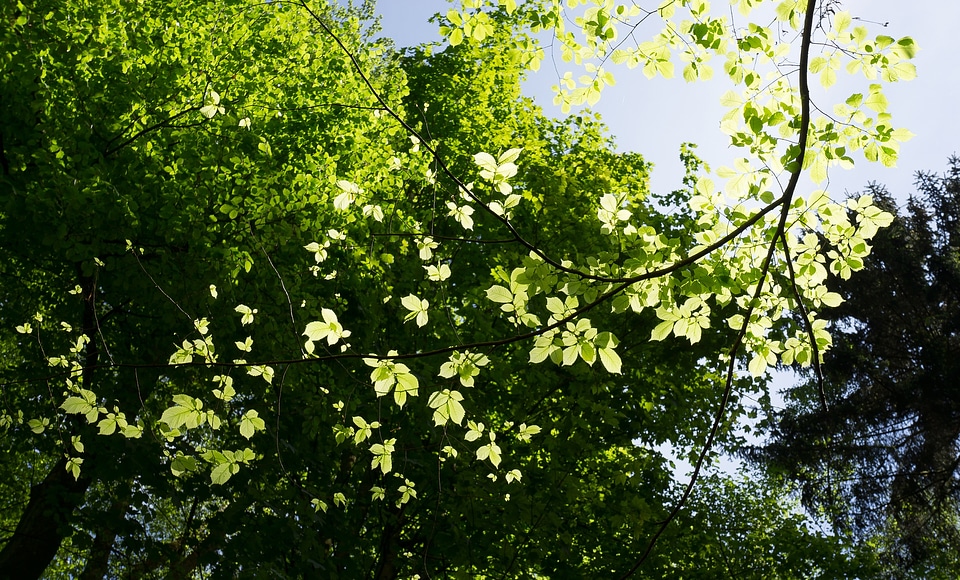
x=390, y=546
x=42, y=526
x=45, y=522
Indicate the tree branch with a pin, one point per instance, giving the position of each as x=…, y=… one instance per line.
x=787, y=198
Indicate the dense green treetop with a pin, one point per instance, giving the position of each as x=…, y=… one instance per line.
x=280, y=298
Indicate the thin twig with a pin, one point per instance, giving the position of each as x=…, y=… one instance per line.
x=808, y=326
x=734, y=350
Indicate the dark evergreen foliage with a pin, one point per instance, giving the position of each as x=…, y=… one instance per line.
x=882, y=460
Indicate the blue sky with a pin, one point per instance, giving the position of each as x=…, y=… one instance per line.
x=655, y=117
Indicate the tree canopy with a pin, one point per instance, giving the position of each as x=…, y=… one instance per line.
x=881, y=461
x=281, y=298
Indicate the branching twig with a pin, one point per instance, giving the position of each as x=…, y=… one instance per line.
x=734, y=350
x=164, y=123
x=808, y=326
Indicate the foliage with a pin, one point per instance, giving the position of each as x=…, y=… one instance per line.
x=749, y=527
x=340, y=310
x=119, y=188
x=881, y=461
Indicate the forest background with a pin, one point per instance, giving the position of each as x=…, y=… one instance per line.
x=147, y=221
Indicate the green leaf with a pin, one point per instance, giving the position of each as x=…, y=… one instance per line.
x=662, y=330
x=186, y=412
x=832, y=299
x=251, y=423
x=876, y=101
x=907, y=47
x=588, y=353
x=448, y=407
x=182, y=464
x=76, y=405
x=107, y=426
x=610, y=359
x=222, y=472
x=758, y=365
x=407, y=384
x=499, y=294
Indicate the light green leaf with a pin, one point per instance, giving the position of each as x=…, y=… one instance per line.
x=490, y=451
x=264, y=371
x=662, y=330
x=382, y=455
x=570, y=355
x=486, y=161
x=509, y=156
x=448, y=407
x=107, y=426
x=186, y=412
x=758, y=365
x=902, y=135
x=499, y=294
x=251, y=423
x=132, y=431
x=832, y=299
x=78, y=406
x=407, y=384
x=538, y=354
x=876, y=101
x=246, y=314
x=73, y=466
x=222, y=472
x=610, y=359
x=527, y=431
